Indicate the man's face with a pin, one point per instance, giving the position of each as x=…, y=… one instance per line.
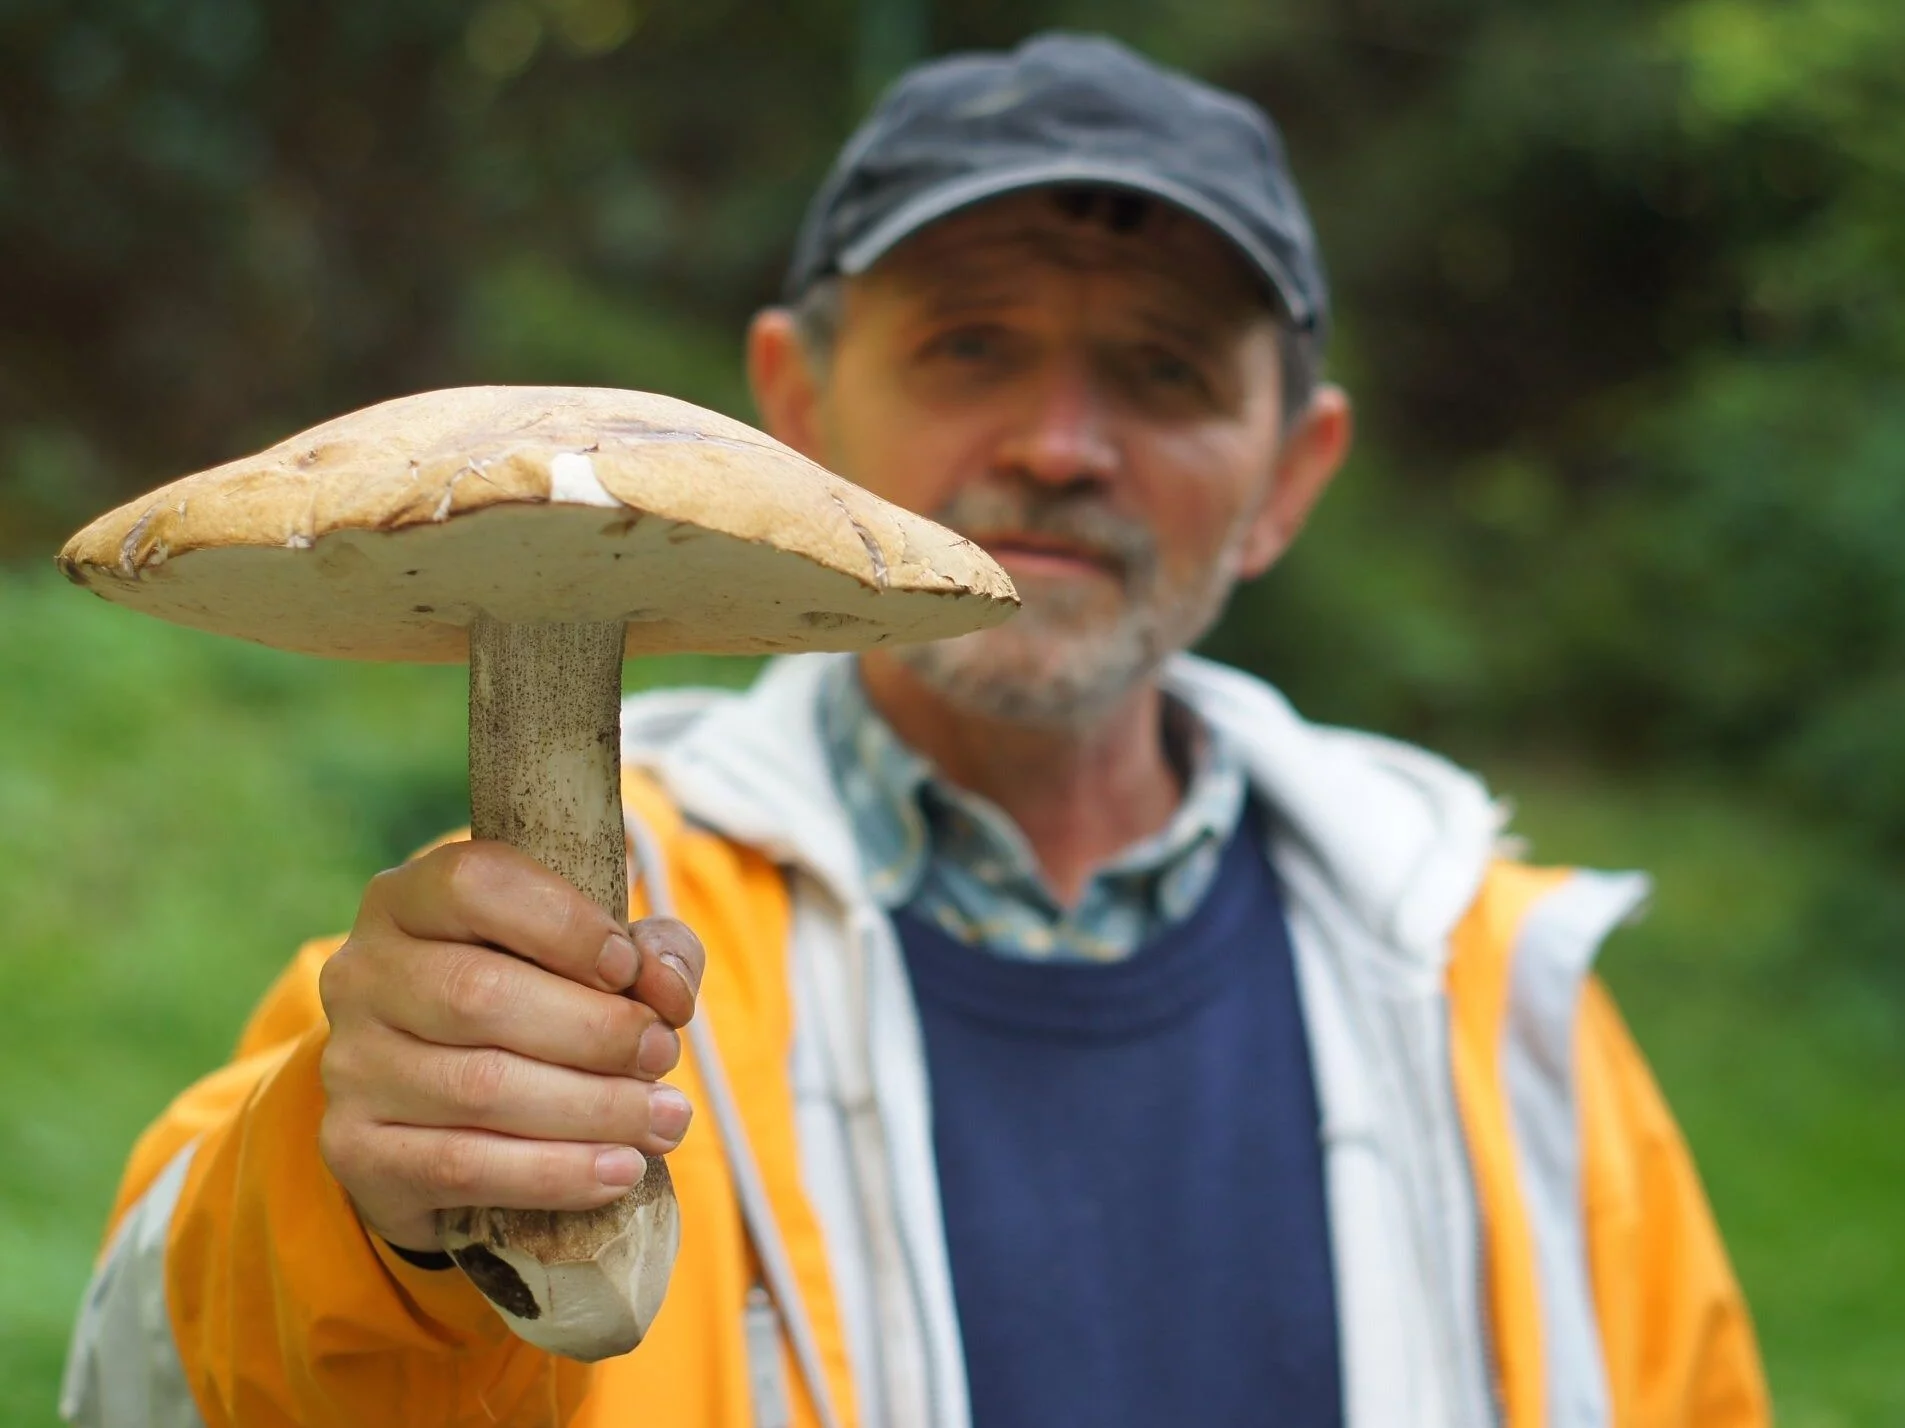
x=1096, y=403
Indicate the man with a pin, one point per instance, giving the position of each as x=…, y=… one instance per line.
x=1109, y=1045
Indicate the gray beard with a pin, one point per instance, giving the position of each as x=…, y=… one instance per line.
x=1060, y=663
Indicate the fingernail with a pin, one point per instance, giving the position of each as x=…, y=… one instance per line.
x=669, y=959
x=668, y=1114
x=657, y=1051
x=615, y=964
x=620, y=1167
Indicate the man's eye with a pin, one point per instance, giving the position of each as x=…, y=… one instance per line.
x=967, y=344
x=1166, y=369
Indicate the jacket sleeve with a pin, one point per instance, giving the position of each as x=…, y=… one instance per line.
x=1676, y=1336
x=238, y=1286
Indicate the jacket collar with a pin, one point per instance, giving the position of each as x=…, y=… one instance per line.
x=752, y=766
x=1399, y=838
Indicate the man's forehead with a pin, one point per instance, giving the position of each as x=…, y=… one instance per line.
x=1009, y=239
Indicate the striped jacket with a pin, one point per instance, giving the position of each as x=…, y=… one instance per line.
x=1518, y=1234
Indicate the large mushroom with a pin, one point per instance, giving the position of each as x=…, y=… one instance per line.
x=543, y=533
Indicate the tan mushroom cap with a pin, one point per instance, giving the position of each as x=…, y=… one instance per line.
x=382, y=534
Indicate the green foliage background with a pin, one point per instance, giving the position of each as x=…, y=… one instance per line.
x=1620, y=301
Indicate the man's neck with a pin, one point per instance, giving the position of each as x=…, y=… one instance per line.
x=1079, y=795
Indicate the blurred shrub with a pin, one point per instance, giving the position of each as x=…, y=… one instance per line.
x=1695, y=554
x=1621, y=296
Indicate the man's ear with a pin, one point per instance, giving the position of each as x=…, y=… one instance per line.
x=785, y=385
x=1308, y=458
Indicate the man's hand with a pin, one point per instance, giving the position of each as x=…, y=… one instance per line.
x=495, y=1040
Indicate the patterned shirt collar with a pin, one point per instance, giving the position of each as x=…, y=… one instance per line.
x=957, y=858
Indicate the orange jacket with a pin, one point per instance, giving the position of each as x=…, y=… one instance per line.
x=281, y=1309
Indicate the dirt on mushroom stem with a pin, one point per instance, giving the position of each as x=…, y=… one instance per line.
x=545, y=777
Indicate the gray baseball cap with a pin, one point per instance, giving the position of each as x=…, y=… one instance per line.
x=1062, y=110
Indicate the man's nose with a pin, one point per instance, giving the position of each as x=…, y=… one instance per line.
x=1063, y=435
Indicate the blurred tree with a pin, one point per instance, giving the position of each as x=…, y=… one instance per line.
x=1618, y=282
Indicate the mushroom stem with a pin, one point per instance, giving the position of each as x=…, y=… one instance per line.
x=546, y=749
x=545, y=777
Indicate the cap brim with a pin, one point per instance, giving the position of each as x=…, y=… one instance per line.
x=946, y=199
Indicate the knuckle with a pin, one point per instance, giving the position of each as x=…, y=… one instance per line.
x=336, y=1068
x=384, y=879
x=476, y=987
x=471, y=874
x=606, y=1102
x=613, y=1030
x=572, y=921
x=476, y=1081
x=458, y=1168
x=331, y=983
x=341, y=1147
x=551, y=1175
x=602, y=1028
x=460, y=868
x=338, y=979
x=378, y=891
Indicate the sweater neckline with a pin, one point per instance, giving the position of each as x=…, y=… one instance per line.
x=1169, y=977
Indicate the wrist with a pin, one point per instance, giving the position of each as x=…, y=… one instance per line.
x=412, y=1237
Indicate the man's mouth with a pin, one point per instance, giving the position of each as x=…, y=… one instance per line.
x=1047, y=555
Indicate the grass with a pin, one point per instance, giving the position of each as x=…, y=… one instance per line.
x=177, y=812
x=1780, y=1040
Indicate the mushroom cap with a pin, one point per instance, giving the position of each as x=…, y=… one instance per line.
x=382, y=534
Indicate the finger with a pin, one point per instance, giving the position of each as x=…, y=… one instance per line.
x=453, y=1168
x=402, y=1081
x=672, y=963
x=492, y=893
x=453, y=994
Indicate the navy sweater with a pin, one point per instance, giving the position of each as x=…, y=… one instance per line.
x=1133, y=1183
